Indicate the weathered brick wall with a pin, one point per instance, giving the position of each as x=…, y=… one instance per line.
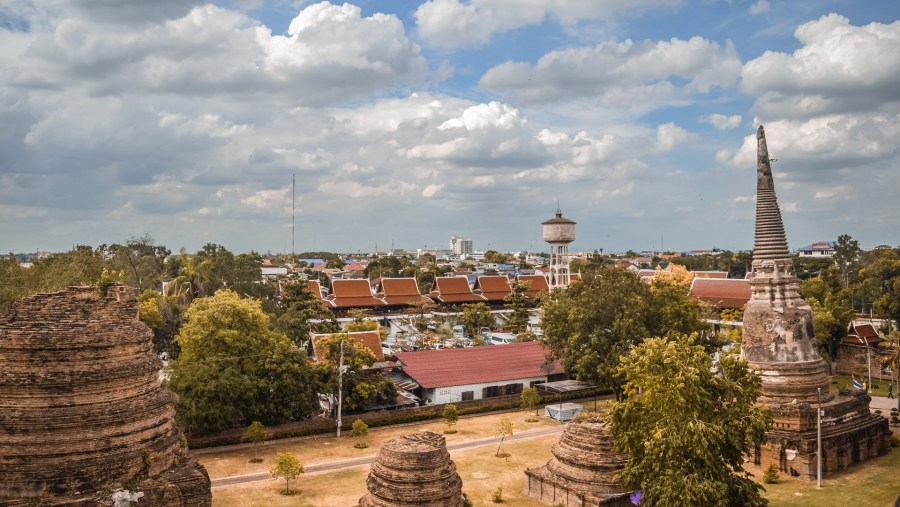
x=82, y=410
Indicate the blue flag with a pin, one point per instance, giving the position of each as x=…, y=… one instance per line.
x=856, y=384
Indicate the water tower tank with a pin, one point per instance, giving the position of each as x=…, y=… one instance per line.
x=559, y=230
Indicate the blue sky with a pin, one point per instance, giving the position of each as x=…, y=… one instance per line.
x=407, y=122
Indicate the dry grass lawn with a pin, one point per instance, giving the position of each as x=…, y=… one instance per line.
x=481, y=473
x=321, y=448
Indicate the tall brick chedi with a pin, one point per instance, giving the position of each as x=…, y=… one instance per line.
x=778, y=341
x=82, y=409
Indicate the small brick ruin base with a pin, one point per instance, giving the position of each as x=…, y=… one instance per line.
x=413, y=469
x=582, y=470
x=82, y=409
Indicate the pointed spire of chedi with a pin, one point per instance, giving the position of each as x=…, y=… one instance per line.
x=778, y=334
x=770, y=241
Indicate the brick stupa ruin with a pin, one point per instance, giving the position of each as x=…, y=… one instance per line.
x=582, y=471
x=778, y=341
x=413, y=470
x=82, y=409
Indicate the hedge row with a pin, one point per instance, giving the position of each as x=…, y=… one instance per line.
x=322, y=425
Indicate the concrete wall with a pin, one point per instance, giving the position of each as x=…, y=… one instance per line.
x=453, y=394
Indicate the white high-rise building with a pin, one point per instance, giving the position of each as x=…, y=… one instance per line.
x=461, y=246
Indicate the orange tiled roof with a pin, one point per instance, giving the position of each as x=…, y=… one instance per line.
x=368, y=339
x=493, y=288
x=314, y=287
x=454, y=289
x=537, y=285
x=401, y=291
x=352, y=294
x=721, y=292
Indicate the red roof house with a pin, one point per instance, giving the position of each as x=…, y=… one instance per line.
x=448, y=375
x=371, y=340
x=355, y=293
x=862, y=334
x=537, y=285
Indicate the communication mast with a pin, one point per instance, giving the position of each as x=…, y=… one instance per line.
x=559, y=231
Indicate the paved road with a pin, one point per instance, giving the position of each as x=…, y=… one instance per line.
x=365, y=460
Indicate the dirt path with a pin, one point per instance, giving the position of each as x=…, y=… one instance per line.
x=328, y=466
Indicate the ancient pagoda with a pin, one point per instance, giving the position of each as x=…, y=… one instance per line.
x=83, y=414
x=778, y=341
x=583, y=468
x=413, y=470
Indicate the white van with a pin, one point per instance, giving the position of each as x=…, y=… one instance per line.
x=501, y=338
x=459, y=331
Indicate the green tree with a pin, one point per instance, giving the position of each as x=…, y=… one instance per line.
x=451, y=416
x=504, y=429
x=517, y=321
x=590, y=325
x=14, y=282
x=233, y=369
x=529, y=399
x=256, y=435
x=846, y=258
x=143, y=262
x=163, y=315
x=688, y=424
x=287, y=467
x=301, y=312
x=476, y=316
x=359, y=428
x=362, y=388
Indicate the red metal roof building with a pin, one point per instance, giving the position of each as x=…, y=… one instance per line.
x=730, y=293
x=451, y=375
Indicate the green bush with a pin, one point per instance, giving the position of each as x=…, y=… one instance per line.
x=770, y=476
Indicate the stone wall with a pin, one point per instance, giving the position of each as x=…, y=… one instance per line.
x=82, y=409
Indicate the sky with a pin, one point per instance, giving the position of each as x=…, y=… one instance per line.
x=406, y=122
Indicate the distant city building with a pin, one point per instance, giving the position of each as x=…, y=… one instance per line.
x=820, y=249
x=461, y=246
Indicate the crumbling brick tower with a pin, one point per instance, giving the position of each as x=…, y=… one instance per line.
x=778, y=341
x=413, y=470
x=82, y=409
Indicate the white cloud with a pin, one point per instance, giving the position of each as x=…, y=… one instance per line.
x=669, y=135
x=484, y=181
x=330, y=54
x=276, y=199
x=484, y=116
x=211, y=125
x=432, y=190
x=456, y=23
x=722, y=122
x=759, y=7
x=620, y=72
x=839, y=68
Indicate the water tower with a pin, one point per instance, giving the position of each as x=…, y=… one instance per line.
x=559, y=231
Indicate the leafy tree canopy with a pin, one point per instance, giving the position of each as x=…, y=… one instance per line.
x=233, y=369
x=688, y=424
x=590, y=325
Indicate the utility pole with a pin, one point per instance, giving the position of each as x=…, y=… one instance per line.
x=819, y=438
x=293, y=200
x=340, y=388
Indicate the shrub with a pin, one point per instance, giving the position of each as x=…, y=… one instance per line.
x=361, y=445
x=359, y=428
x=895, y=420
x=895, y=441
x=497, y=495
x=770, y=476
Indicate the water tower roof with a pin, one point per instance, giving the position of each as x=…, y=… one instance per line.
x=558, y=219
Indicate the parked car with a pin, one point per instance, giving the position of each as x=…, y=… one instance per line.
x=501, y=338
